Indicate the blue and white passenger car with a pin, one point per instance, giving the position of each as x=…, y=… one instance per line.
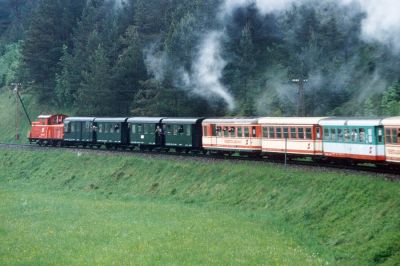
x=358, y=139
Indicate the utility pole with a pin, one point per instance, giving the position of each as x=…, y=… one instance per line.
x=301, y=106
x=17, y=112
x=18, y=100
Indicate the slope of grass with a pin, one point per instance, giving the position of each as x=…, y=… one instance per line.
x=50, y=228
x=343, y=218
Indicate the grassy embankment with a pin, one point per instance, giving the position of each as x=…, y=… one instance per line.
x=79, y=208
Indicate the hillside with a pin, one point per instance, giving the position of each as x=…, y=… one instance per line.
x=338, y=218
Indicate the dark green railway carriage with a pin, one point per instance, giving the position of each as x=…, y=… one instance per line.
x=183, y=133
x=146, y=132
x=112, y=132
x=79, y=131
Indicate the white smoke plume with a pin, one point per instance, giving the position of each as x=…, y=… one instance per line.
x=207, y=71
x=382, y=22
x=156, y=63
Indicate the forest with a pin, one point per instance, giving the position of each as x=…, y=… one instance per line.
x=203, y=57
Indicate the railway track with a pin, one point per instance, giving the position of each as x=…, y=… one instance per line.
x=387, y=173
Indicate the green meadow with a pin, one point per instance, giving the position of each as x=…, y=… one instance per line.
x=73, y=208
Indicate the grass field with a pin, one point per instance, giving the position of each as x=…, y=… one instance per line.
x=84, y=208
x=54, y=228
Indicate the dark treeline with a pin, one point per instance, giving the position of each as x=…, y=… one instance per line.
x=100, y=57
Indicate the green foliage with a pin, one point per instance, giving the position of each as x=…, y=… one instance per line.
x=391, y=100
x=314, y=40
x=10, y=62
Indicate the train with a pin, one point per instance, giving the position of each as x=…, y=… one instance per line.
x=329, y=139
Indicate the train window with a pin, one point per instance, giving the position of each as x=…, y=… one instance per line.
x=100, y=128
x=339, y=135
x=204, y=131
x=380, y=135
x=246, y=132
x=346, y=135
x=333, y=134
x=116, y=127
x=226, y=132
x=394, y=135
x=219, y=131
x=265, y=132
x=233, y=132
x=240, y=132
x=388, y=136
x=254, y=132
x=361, y=134
x=188, y=130
x=326, y=134
x=213, y=130
x=278, y=132
x=354, y=135
x=271, y=132
x=133, y=129
x=293, y=133
x=112, y=128
x=301, y=132
x=285, y=132
x=318, y=131
x=73, y=127
x=369, y=135
x=106, y=128
x=308, y=133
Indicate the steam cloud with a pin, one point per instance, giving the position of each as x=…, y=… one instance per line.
x=381, y=23
x=207, y=71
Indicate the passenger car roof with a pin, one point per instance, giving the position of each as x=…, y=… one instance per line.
x=188, y=120
x=352, y=122
x=79, y=119
x=111, y=119
x=149, y=120
x=391, y=121
x=242, y=121
x=291, y=120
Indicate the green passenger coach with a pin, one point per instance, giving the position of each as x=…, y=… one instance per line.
x=145, y=132
x=112, y=132
x=80, y=131
x=183, y=134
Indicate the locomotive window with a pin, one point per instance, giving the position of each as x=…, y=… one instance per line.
x=293, y=133
x=246, y=132
x=301, y=132
x=240, y=132
x=278, y=132
x=339, y=135
x=308, y=133
x=361, y=134
x=188, y=130
x=394, y=135
x=285, y=132
x=254, y=132
x=265, y=132
x=333, y=134
x=388, y=137
x=271, y=132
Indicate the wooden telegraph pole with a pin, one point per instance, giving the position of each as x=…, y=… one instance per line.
x=301, y=105
x=18, y=101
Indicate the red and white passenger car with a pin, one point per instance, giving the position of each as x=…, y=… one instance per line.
x=292, y=135
x=232, y=135
x=392, y=139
